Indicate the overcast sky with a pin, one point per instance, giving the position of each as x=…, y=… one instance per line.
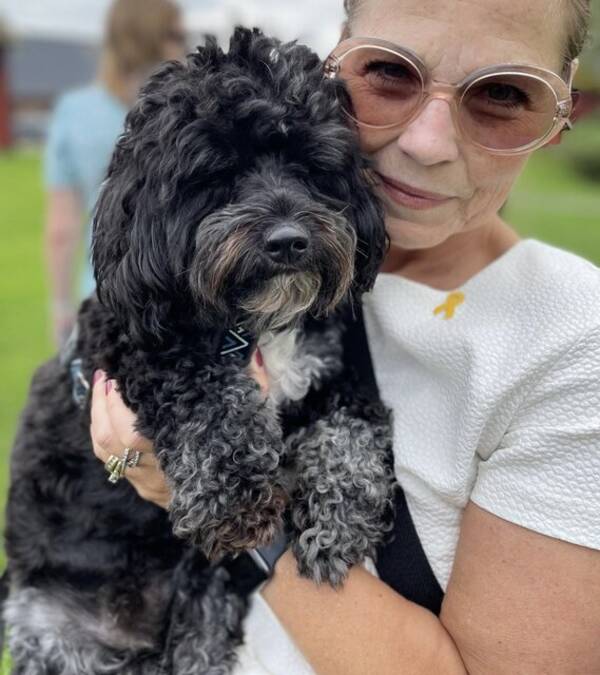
x=315, y=22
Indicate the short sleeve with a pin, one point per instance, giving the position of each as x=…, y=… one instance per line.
x=59, y=170
x=545, y=475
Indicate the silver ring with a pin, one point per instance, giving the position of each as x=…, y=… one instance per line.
x=116, y=466
x=132, y=462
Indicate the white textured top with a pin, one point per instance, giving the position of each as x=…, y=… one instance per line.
x=495, y=390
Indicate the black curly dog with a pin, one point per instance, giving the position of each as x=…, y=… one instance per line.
x=236, y=197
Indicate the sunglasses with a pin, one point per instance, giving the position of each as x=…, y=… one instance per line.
x=504, y=109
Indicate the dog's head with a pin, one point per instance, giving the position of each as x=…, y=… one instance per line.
x=237, y=194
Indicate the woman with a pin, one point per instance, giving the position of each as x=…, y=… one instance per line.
x=83, y=130
x=486, y=347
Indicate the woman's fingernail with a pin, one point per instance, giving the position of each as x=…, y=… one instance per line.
x=97, y=376
x=259, y=358
x=108, y=386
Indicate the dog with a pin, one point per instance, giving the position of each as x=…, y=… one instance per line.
x=238, y=211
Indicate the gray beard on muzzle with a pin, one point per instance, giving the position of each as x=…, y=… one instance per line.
x=282, y=300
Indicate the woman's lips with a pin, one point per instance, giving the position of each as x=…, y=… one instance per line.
x=405, y=195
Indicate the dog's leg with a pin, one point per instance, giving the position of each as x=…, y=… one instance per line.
x=206, y=625
x=224, y=473
x=342, y=493
x=205, y=630
x=53, y=652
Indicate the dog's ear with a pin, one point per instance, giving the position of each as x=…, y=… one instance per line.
x=130, y=259
x=151, y=203
x=342, y=172
x=367, y=215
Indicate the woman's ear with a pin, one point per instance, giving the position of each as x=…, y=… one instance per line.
x=345, y=32
x=573, y=68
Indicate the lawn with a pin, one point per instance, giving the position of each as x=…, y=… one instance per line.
x=550, y=203
x=24, y=341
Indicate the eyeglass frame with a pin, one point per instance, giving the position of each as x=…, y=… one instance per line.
x=454, y=94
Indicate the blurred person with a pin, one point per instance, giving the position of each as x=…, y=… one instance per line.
x=86, y=122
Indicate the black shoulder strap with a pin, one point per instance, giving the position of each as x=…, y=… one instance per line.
x=401, y=560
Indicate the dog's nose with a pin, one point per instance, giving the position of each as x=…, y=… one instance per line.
x=287, y=243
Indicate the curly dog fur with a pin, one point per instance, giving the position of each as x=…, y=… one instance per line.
x=237, y=195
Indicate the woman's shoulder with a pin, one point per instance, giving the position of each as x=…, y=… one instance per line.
x=551, y=287
x=542, y=474
x=557, y=271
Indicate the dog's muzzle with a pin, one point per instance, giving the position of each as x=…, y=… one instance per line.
x=282, y=299
x=273, y=269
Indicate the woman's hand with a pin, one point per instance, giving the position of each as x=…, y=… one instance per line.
x=113, y=429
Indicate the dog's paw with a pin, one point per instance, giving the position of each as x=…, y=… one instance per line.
x=248, y=523
x=318, y=560
x=341, y=498
x=230, y=521
x=327, y=549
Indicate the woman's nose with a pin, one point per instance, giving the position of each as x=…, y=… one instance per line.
x=431, y=138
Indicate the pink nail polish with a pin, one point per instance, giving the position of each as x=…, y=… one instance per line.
x=108, y=387
x=259, y=358
x=97, y=376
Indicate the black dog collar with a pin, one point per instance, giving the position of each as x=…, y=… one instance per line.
x=236, y=342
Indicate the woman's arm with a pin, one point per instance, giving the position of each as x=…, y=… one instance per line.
x=365, y=627
x=63, y=235
x=517, y=602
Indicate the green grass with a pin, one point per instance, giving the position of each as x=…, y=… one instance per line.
x=5, y=663
x=550, y=203
x=24, y=340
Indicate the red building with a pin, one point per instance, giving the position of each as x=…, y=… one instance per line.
x=5, y=136
x=38, y=69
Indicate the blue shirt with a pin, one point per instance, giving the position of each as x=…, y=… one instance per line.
x=83, y=130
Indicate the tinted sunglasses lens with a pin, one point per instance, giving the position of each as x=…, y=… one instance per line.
x=508, y=112
x=385, y=88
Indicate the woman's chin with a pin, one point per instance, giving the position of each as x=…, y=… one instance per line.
x=408, y=235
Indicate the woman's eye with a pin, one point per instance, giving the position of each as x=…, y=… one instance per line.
x=504, y=94
x=388, y=70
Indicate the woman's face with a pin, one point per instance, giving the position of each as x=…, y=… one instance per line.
x=453, y=38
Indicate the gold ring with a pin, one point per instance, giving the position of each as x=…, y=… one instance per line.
x=116, y=466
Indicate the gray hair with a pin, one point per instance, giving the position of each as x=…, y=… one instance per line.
x=579, y=26
x=577, y=29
